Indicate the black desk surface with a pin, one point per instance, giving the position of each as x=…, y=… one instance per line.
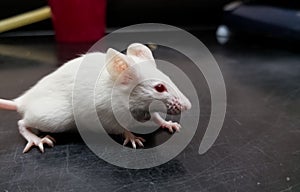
x=258, y=148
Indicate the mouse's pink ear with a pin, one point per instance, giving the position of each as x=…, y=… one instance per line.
x=118, y=66
x=140, y=51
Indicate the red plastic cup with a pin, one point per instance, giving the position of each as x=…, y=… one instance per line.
x=78, y=20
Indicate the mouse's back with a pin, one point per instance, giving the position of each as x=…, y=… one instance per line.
x=48, y=104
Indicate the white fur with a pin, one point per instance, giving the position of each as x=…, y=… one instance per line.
x=47, y=106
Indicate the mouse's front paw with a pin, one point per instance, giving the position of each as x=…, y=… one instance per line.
x=128, y=136
x=171, y=126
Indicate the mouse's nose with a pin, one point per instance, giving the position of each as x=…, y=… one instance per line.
x=186, y=104
x=186, y=107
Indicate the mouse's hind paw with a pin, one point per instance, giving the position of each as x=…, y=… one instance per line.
x=39, y=142
x=32, y=139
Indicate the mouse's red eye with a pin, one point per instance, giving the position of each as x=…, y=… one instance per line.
x=160, y=88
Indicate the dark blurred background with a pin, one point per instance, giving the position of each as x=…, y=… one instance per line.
x=190, y=14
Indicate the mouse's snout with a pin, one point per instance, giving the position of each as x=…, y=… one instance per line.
x=187, y=105
x=176, y=105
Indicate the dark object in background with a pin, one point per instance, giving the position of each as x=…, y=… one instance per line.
x=262, y=18
x=78, y=21
x=188, y=14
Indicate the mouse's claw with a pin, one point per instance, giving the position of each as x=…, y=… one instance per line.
x=171, y=126
x=133, y=139
x=39, y=142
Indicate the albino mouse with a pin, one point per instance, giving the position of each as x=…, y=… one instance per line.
x=47, y=106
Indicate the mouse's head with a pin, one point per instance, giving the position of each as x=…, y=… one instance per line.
x=137, y=71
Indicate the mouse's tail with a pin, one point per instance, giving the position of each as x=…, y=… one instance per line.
x=8, y=105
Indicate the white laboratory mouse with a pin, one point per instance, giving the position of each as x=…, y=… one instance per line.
x=47, y=106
